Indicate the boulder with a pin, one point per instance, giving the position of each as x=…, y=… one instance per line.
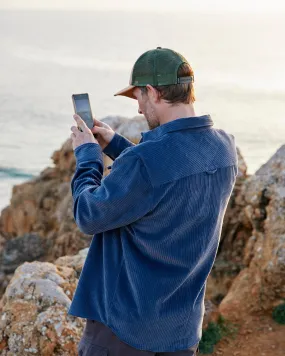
x=34, y=317
x=261, y=285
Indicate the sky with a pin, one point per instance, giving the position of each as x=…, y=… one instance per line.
x=258, y=6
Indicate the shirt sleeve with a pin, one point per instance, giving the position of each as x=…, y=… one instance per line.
x=117, y=145
x=120, y=198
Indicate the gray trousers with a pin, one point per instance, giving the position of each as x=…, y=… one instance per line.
x=99, y=340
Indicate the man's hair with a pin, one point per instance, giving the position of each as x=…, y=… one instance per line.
x=177, y=93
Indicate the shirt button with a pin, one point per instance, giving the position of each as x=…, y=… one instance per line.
x=212, y=171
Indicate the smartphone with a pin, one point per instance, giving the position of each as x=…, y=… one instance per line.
x=82, y=108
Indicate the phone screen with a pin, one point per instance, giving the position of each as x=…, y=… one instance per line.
x=83, y=109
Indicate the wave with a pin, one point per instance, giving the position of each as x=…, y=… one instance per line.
x=9, y=172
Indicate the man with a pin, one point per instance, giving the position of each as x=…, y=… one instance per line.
x=156, y=218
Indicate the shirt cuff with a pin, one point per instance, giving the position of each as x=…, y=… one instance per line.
x=88, y=151
x=117, y=145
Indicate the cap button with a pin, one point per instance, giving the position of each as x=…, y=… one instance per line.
x=158, y=48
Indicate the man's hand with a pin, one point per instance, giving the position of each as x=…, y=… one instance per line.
x=81, y=134
x=103, y=131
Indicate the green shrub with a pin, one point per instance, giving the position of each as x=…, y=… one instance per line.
x=213, y=334
x=278, y=314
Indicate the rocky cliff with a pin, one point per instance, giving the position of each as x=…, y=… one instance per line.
x=38, y=224
x=42, y=253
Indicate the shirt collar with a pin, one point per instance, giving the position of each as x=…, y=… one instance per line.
x=178, y=124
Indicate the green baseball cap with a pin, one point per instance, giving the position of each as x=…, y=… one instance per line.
x=156, y=67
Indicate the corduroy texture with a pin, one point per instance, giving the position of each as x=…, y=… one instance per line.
x=156, y=219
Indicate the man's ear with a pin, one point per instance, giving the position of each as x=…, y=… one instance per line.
x=153, y=93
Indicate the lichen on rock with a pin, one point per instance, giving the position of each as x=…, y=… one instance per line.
x=34, y=316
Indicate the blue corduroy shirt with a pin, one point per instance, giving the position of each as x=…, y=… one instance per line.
x=156, y=220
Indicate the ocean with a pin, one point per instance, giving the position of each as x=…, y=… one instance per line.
x=46, y=56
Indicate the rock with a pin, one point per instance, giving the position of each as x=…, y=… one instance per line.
x=76, y=262
x=34, y=316
x=28, y=247
x=236, y=231
x=262, y=282
x=211, y=313
x=42, y=207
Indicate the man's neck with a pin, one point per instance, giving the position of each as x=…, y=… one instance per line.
x=175, y=112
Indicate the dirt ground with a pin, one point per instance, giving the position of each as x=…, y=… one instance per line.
x=258, y=335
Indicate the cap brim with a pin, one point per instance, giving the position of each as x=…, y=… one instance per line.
x=128, y=91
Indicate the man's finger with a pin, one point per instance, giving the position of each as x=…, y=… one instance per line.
x=74, y=129
x=80, y=122
x=98, y=122
x=97, y=129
